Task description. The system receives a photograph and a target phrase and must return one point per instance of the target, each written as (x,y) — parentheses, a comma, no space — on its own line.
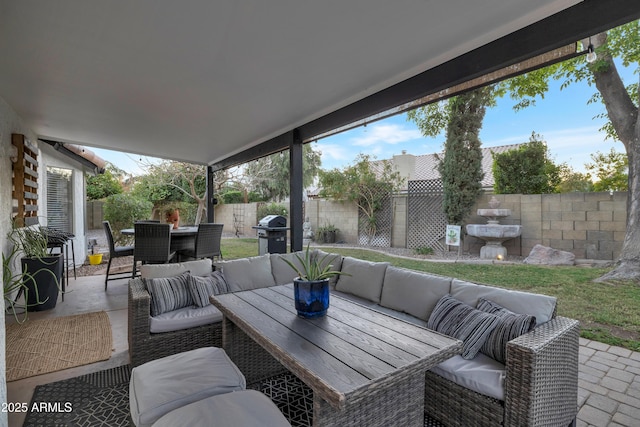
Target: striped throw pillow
(169,293)
(511,325)
(459,320)
(202,287)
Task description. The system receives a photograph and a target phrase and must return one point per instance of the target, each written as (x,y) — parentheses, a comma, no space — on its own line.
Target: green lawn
(608,313)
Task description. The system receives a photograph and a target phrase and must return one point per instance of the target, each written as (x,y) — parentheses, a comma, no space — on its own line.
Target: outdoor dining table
(364,367)
(181,237)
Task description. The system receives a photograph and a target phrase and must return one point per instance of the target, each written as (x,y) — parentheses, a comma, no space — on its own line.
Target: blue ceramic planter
(312,298)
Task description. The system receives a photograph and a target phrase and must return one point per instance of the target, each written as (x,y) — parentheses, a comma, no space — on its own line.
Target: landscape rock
(548,256)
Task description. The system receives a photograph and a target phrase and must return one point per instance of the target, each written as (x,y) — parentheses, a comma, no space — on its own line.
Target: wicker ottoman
(162,385)
(248,408)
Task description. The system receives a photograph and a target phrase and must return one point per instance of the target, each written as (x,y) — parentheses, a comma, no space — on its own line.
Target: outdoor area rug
(101,399)
(98,399)
(47,345)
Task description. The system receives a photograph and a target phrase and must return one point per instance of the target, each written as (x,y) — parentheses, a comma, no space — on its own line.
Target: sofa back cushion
(282,272)
(364,278)
(244,274)
(413,292)
(541,306)
(200,267)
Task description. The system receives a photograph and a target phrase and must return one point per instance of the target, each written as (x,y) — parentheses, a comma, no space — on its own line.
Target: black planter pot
(43,281)
(311,298)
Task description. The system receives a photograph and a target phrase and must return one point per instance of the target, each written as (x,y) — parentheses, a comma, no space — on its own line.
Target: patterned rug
(47,345)
(102,400)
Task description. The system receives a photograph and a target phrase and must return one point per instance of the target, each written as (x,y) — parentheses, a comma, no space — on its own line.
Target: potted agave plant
(41,271)
(311,287)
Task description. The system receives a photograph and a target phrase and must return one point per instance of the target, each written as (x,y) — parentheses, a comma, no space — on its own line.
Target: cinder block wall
(590,225)
(343,215)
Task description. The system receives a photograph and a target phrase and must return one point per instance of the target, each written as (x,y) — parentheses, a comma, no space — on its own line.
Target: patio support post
(211,201)
(295,190)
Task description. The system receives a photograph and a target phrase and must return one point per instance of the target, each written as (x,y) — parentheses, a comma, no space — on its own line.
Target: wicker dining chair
(207,242)
(152,244)
(114,252)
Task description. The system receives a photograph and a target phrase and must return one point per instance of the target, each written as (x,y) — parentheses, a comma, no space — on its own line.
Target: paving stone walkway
(609,385)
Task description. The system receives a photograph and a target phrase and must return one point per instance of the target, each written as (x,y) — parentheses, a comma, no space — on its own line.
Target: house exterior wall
(10,123)
(50,157)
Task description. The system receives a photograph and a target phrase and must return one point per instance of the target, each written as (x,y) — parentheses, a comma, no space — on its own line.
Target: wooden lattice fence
(426,221)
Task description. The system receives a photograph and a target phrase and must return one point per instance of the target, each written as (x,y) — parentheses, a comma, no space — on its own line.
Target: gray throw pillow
(459,320)
(169,293)
(510,325)
(202,287)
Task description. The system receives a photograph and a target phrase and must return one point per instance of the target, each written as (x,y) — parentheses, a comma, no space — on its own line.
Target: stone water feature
(494,233)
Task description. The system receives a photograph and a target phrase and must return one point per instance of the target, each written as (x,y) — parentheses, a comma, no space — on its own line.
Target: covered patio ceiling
(203,81)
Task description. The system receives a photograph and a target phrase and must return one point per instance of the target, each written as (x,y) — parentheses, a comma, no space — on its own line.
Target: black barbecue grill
(272,235)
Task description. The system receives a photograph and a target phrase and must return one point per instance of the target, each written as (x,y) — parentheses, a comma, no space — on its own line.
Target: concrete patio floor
(609,382)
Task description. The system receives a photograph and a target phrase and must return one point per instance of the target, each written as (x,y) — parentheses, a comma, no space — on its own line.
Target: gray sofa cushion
(202,287)
(510,326)
(247,273)
(540,306)
(169,293)
(248,408)
(197,268)
(364,280)
(184,318)
(165,384)
(481,374)
(459,320)
(413,292)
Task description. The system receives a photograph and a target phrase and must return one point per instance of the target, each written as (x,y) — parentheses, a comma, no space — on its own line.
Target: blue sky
(563,118)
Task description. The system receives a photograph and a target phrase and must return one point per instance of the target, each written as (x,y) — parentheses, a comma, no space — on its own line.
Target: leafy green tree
(611,170)
(527,169)
(366,183)
(103,185)
(461,167)
(269,175)
(621,102)
(572,181)
(175,181)
(122,210)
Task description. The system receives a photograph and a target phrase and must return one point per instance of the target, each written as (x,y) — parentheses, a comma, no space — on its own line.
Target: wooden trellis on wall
(25,181)
(426,222)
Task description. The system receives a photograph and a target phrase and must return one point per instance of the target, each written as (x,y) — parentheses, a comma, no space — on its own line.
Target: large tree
(461,166)
(270,175)
(621,103)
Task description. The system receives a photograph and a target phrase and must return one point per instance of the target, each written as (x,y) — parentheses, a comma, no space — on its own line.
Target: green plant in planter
(328,233)
(41,272)
(311,287)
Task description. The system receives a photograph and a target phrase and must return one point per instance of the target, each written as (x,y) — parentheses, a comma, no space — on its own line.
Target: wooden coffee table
(364,367)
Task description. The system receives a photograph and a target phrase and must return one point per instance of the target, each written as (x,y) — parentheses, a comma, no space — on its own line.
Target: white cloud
(385,134)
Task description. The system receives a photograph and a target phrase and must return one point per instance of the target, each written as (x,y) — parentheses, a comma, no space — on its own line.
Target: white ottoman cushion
(248,408)
(162,385)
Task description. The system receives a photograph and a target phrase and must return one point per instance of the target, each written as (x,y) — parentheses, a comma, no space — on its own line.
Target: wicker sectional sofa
(536,385)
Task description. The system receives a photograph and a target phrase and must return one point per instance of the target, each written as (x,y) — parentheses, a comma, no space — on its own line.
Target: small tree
(104,184)
(526,169)
(611,171)
(122,211)
(365,183)
(461,166)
